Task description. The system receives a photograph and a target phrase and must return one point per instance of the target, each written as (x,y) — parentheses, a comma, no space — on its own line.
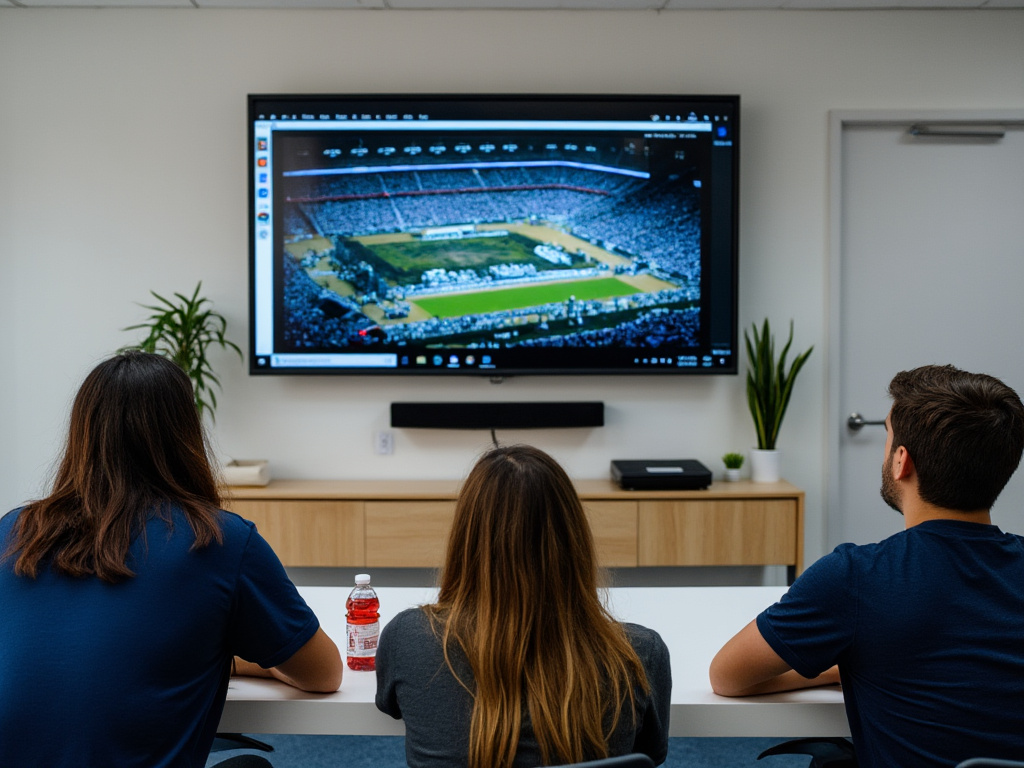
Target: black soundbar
(528,415)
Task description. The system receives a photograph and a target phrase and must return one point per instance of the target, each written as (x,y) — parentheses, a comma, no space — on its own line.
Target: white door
(927,267)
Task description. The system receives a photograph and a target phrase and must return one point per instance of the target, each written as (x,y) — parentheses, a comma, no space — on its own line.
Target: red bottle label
(363,625)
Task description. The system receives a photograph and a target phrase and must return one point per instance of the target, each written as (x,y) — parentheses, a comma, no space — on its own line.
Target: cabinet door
(414,534)
(718,532)
(309,533)
(614,524)
(407,534)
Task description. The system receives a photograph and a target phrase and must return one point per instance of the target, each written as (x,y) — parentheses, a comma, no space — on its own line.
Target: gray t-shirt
(415,684)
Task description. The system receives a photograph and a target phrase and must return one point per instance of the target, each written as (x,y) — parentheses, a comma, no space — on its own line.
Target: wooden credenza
(404,523)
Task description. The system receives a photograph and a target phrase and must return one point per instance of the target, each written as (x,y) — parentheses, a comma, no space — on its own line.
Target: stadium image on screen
(414,241)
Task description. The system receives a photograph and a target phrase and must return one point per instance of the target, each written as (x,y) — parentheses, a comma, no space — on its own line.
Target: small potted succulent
(733,462)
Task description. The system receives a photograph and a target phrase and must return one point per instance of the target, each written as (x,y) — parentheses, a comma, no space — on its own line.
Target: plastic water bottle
(362,619)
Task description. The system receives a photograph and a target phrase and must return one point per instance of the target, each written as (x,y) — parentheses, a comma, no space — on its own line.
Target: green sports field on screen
(483,302)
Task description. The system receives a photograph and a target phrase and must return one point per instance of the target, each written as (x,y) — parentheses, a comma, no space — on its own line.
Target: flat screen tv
(493,235)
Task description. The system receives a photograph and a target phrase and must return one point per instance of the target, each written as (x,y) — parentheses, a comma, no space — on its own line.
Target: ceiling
(623,5)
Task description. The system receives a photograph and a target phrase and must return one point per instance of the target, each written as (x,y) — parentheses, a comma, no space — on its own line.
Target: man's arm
(315,667)
(747,665)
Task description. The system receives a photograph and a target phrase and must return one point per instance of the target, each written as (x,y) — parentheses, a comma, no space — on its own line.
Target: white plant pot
(764,465)
(732,475)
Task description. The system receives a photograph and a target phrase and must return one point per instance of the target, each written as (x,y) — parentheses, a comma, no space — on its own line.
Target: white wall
(123,169)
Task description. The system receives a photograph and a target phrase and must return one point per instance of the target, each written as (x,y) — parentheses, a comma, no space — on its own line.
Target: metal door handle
(856,421)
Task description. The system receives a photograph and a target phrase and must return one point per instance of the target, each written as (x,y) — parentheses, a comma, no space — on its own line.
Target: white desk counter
(694,621)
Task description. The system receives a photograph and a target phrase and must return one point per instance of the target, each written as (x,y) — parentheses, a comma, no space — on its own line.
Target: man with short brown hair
(925,628)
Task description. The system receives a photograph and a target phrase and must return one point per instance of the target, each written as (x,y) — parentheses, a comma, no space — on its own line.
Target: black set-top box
(660,474)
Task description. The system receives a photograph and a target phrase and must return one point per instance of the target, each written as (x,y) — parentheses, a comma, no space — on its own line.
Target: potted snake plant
(769,388)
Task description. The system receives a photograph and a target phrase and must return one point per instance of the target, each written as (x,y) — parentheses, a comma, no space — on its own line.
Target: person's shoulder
(12,515)
(8,519)
(849,550)
(833,573)
(851,553)
(849,562)
(230,523)
(640,633)
(645,641)
(234,524)
(410,631)
(1016,543)
(239,539)
(413,619)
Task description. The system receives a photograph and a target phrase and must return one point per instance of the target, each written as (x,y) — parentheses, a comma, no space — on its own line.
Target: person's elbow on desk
(747,666)
(316,667)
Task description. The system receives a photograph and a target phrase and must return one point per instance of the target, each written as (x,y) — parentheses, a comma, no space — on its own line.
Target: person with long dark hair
(127,592)
(518,663)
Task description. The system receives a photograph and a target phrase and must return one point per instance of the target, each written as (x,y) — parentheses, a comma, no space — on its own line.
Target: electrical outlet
(384,443)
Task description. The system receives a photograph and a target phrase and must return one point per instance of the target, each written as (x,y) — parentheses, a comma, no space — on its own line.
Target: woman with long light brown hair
(518,663)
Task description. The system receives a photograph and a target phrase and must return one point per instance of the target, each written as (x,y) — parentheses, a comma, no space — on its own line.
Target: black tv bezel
(732,100)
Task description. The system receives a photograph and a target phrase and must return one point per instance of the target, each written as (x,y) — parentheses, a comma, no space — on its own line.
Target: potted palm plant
(182,330)
(769,387)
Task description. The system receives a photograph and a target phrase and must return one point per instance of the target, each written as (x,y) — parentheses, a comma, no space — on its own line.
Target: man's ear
(902,464)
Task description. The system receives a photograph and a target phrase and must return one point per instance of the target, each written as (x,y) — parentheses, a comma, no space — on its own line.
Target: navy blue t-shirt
(927,627)
(100,675)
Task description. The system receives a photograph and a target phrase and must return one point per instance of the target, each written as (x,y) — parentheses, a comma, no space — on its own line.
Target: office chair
(635,760)
(224,741)
(244,761)
(825,752)
(990,762)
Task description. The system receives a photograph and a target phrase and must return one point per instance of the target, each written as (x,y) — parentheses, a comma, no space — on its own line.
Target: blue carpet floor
(389,752)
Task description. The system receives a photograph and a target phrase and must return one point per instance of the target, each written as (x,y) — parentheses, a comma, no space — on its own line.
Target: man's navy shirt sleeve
(812,625)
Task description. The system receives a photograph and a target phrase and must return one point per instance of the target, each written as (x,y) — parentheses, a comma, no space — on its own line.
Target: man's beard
(890,493)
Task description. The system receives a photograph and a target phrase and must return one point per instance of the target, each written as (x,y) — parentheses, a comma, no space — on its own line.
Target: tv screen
(493,235)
